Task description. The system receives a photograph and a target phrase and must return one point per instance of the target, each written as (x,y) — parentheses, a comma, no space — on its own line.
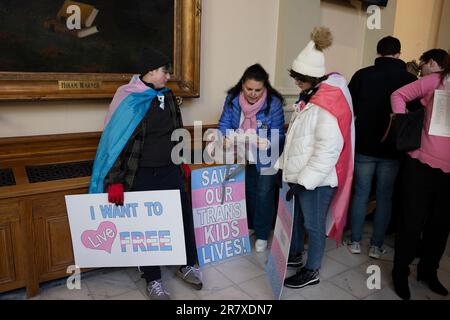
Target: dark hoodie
(371,90)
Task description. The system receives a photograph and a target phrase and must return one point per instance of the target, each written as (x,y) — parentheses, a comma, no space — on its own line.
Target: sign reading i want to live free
(221,230)
(147,230)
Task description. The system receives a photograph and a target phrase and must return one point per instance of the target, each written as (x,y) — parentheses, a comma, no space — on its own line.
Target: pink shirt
(434,151)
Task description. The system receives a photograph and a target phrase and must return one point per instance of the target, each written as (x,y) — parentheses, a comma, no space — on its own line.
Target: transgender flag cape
(129,106)
(334,96)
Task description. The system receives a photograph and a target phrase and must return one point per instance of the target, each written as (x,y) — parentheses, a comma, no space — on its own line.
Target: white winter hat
(311,61)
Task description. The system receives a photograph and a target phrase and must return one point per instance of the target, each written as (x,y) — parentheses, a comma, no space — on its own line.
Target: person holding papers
(134,154)
(425,217)
(254,109)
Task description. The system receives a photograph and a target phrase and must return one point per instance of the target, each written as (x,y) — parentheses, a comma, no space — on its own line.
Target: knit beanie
(311,61)
(152,59)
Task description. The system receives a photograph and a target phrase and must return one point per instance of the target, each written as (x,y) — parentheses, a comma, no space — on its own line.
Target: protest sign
(221,230)
(147,230)
(281,242)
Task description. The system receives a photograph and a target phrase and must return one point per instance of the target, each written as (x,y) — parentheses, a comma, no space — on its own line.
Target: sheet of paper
(440,120)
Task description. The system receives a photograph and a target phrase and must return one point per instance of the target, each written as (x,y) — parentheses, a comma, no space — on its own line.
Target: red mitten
(186,170)
(115,194)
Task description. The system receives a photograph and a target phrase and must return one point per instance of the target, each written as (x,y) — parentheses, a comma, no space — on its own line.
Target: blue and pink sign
(220,215)
(279,253)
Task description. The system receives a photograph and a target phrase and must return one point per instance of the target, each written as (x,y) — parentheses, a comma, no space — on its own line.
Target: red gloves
(115,194)
(186,170)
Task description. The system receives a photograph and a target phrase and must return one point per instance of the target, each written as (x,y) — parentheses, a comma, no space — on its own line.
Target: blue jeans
(385,171)
(310,214)
(260,195)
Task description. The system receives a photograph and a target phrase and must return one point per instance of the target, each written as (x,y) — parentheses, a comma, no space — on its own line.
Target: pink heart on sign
(102,239)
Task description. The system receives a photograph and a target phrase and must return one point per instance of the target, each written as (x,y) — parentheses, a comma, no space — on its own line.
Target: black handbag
(406,129)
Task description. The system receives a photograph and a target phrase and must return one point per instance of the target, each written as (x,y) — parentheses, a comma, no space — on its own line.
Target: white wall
(235,34)
(348,24)
(417,26)
(296,20)
(444,34)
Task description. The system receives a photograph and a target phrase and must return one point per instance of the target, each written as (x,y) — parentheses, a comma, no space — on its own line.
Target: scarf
(250,110)
(129,106)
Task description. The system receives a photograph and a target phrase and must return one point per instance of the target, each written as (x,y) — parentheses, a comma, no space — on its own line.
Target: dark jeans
(168,178)
(385,171)
(260,195)
(310,213)
(425,217)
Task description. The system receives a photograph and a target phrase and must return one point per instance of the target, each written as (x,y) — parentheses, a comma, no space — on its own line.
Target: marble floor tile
(354,282)
(342,255)
(330,268)
(179,290)
(240,270)
(331,245)
(294,296)
(258,288)
(387,293)
(213,281)
(325,290)
(230,293)
(259,258)
(63,293)
(132,295)
(110,284)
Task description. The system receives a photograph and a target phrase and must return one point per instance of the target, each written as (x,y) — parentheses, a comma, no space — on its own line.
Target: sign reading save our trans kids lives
(277,262)
(221,230)
(147,230)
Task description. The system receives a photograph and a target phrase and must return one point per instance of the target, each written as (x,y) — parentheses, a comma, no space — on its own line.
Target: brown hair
(441,57)
(303,78)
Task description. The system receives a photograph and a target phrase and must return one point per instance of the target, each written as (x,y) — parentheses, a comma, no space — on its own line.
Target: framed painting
(86,49)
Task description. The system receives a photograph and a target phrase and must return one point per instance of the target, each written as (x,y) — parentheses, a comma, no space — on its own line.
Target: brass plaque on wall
(79,85)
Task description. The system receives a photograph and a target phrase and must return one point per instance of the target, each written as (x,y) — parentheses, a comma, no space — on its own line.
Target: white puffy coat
(313,146)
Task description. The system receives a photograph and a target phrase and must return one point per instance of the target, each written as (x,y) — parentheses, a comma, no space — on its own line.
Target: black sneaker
(302,278)
(295,260)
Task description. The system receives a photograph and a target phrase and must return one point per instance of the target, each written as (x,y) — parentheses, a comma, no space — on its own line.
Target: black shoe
(302,278)
(433,282)
(401,286)
(295,260)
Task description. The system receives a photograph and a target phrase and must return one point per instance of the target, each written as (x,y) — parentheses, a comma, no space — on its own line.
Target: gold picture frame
(185,77)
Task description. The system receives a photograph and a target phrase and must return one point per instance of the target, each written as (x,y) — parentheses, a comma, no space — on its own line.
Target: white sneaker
(260,245)
(353,247)
(376,252)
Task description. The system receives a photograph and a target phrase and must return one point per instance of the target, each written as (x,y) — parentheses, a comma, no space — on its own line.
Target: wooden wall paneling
(30,245)
(12,273)
(51,225)
(7,272)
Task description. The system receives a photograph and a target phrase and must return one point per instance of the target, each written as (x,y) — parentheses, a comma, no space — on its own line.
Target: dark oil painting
(124,27)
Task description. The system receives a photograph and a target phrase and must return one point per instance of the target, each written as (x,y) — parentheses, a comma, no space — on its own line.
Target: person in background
(134,154)
(371,90)
(425,216)
(253,105)
(317,161)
